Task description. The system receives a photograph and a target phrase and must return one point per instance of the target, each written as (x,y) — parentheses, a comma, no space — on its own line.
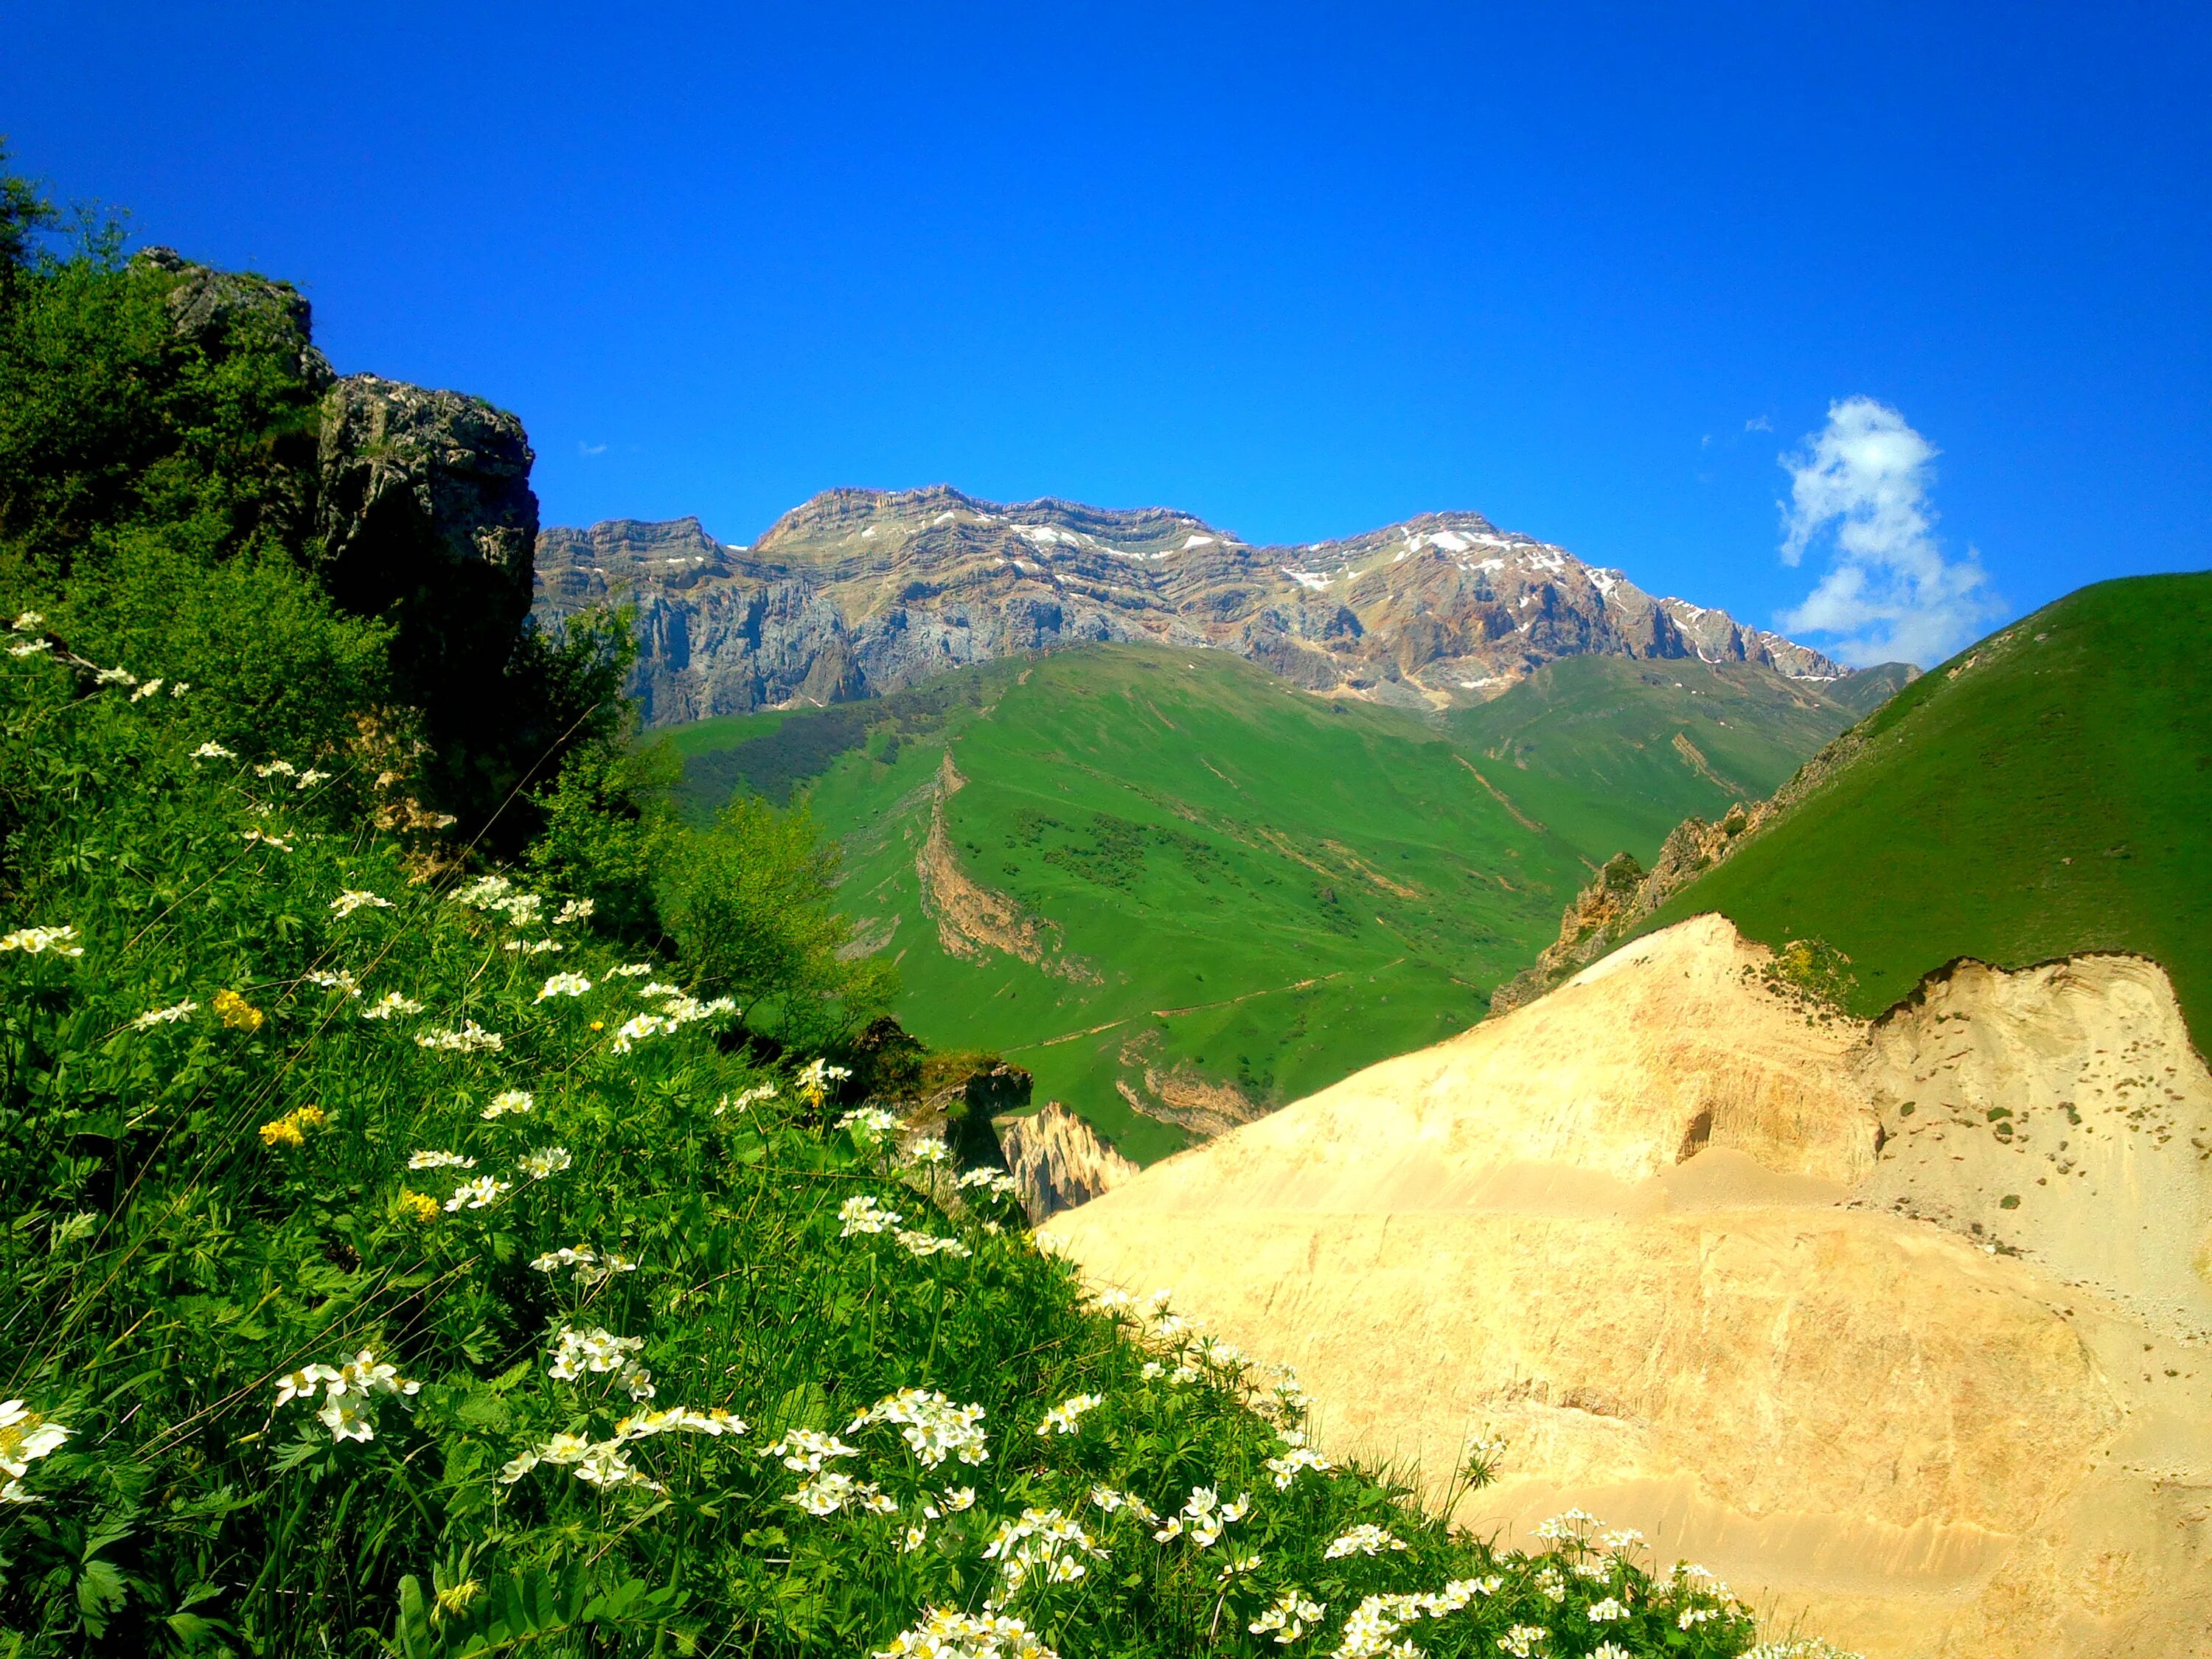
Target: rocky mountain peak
(859,591)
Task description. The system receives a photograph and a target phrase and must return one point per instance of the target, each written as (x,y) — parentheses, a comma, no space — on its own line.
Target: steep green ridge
(2048,790)
(1612,753)
(1230,882)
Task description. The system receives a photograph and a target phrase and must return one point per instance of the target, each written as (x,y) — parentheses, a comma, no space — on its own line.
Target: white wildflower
(1066,1417)
(930,1150)
(1523,1641)
(573,911)
(213,751)
(471,1038)
(564,985)
(591,1267)
(578,1352)
(390,1004)
(29,647)
(1365,1538)
(475,1194)
(1604,1612)
(114,677)
(255,837)
(638,1027)
(1288,1619)
(308,779)
(34,941)
(931,1425)
(338,981)
(804,1452)
(863,1214)
(168,1016)
(1570,1524)
(23,624)
(631,969)
(547,1161)
(509,1101)
(26,1436)
(534,947)
(357,898)
(439,1161)
(945,1633)
(928,1244)
(744,1099)
(872,1121)
(151,689)
(276,769)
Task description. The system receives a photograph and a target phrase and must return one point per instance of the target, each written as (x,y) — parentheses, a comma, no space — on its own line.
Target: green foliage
(2046,792)
(112,418)
(212,1129)
(751,906)
(606,833)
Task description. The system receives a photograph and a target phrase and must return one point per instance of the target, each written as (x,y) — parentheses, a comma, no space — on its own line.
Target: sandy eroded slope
(1933,1380)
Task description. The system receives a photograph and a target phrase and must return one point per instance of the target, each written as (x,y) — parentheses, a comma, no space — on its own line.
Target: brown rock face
(860,591)
(1902,1329)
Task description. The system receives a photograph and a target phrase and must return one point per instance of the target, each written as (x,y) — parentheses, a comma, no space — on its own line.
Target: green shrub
(750,906)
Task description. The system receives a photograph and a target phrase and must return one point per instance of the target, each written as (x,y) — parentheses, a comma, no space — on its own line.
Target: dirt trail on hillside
(1935,1380)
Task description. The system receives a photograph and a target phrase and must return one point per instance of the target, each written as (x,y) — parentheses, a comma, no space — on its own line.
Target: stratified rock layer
(1902,1329)
(861,592)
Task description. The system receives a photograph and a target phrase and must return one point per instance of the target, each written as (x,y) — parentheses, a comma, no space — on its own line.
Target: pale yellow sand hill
(1692,1259)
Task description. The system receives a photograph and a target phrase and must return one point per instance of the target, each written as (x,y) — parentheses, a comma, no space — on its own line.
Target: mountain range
(859,592)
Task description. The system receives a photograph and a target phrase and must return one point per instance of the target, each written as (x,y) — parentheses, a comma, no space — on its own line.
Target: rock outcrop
(215,308)
(861,592)
(1906,1329)
(1058,1160)
(414,482)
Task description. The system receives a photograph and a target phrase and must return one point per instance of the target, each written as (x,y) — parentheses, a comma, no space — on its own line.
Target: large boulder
(416,485)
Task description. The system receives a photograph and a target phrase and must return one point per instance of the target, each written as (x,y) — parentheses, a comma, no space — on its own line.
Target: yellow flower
(455,1597)
(289,1130)
(417,1207)
(598,1025)
(238,1013)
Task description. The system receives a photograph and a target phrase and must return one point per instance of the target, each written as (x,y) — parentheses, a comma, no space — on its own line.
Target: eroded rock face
(1058,1160)
(862,591)
(1692,1258)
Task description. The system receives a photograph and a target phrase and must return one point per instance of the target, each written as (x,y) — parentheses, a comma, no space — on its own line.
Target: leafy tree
(750,906)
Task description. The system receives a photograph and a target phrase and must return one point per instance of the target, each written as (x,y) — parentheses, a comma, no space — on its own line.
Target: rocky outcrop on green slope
(1622,896)
(861,592)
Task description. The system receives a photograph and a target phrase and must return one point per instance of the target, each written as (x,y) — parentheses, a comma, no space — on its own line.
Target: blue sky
(1589,270)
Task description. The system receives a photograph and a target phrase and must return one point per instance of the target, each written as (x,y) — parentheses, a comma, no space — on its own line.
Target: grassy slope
(2033,797)
(1591,743)
(1208,837)
(1175,813)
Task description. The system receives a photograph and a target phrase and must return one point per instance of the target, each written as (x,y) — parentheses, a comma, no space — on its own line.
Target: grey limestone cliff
(860,591)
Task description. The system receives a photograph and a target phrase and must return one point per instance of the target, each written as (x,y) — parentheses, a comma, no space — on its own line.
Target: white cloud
(1861,487)
(1759,424)
(590,449)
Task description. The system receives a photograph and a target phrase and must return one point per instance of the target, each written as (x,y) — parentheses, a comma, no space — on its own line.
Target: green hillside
(1612,754)
(1231,883)
(2047,791)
